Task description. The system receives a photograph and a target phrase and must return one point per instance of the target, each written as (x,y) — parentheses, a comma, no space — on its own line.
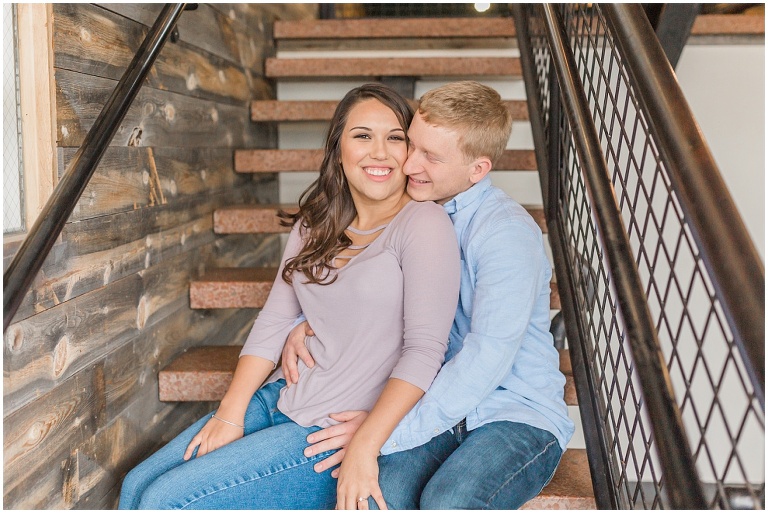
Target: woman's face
(373,151)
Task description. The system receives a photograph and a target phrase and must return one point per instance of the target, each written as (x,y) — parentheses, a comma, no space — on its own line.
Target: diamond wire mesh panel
(722,416)
(13,220)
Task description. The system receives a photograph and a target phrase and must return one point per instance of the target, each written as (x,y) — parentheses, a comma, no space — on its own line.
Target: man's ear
(480,167)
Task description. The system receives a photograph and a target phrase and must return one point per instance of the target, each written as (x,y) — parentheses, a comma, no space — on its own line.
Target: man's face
(437,169)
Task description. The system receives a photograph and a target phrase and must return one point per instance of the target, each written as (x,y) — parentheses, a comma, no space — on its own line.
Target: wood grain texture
(51,425)
(99,251)
(130,178)
(38,105)
(94,41)
(157,118)
(110,306)
(209,29)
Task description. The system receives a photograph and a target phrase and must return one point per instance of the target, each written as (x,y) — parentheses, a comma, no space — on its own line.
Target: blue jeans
(500,465)
(266,469)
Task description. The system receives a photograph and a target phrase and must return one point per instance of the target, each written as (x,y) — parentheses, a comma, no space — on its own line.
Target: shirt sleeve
(280,312)
(429,258)
(509,278)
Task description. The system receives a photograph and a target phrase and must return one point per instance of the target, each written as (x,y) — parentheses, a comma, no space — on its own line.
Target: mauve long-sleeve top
(387,315)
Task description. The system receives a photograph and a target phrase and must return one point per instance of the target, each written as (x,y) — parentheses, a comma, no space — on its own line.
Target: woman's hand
(358,479)
(295,348)
(215,434)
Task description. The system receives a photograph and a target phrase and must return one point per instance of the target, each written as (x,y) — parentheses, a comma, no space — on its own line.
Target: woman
(376,275)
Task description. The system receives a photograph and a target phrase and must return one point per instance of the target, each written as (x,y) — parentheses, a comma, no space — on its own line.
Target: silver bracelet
(228,422)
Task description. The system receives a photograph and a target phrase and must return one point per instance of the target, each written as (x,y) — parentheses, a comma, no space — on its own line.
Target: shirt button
(437,431)
(394,444)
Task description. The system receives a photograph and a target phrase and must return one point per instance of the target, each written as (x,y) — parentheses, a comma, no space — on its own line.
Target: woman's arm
(359,472)
(429,259)
(257,360)
(250,373)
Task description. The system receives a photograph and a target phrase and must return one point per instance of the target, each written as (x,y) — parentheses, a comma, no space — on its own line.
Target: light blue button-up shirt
(501,363)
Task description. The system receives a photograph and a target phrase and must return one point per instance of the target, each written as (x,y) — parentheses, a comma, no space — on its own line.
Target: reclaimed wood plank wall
(110,307)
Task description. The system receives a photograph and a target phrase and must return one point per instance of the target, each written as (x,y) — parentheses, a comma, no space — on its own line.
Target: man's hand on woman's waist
(295,347)
(334,437)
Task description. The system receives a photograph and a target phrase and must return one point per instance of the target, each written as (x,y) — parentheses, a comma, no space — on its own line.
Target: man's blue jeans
(266,469)
(500,465)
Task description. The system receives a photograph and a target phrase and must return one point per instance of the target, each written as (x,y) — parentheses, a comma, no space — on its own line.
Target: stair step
(728,24)
(279,161)
(571,486)
(392,67)
(232,288)
(204,373)
(249,288)
(250,219)
(298,110)
(199,374)
(263,219)
(395,28)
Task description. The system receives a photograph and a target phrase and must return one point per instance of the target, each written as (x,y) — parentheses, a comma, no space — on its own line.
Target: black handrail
(730,257)
(682,482)
(38,243)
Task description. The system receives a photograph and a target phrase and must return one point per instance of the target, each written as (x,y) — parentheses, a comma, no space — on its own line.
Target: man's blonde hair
(475,111)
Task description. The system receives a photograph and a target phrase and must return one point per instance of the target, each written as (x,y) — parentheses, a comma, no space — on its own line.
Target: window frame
(38,113)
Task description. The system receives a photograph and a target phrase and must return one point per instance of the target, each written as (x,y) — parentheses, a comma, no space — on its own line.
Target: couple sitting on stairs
(417,373)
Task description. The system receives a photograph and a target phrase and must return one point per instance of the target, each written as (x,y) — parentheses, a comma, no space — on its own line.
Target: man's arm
(509,280)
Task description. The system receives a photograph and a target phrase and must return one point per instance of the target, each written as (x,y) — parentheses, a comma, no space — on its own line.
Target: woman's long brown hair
(326,208)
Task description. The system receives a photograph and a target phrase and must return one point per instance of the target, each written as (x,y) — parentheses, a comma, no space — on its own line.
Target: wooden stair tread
(395,28)
(705,24)
(322,110)
(263,219)
(232,288)
(571,486)
(280,161)
(392,67)
(277,161)
(204,373)
(250,219)
(249,288)
(728,25)
(199,374)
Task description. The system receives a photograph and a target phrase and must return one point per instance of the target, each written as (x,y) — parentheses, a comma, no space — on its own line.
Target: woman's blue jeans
(266,469)
(500,465)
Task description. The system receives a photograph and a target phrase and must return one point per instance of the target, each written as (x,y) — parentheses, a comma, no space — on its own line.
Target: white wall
(725,88)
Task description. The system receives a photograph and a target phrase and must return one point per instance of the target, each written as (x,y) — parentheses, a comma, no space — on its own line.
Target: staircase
(204,373)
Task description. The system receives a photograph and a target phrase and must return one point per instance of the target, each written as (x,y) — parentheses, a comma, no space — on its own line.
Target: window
(29,138)
(13,197)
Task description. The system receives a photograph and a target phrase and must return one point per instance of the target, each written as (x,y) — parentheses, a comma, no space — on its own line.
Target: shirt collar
(468,197)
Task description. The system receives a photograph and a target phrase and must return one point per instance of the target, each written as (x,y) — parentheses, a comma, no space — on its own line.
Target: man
(491,429)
